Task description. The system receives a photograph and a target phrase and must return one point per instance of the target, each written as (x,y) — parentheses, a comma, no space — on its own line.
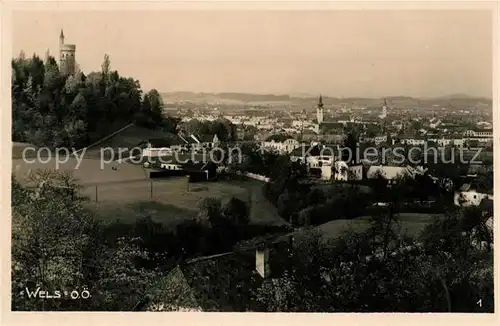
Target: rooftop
(222,282)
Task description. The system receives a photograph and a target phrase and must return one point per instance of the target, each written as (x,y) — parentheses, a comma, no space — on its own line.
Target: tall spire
(385,102)
(61,37)
(320,101)
(319,111)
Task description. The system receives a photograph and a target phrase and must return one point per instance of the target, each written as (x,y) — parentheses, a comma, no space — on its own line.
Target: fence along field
(166,200)
(119,191)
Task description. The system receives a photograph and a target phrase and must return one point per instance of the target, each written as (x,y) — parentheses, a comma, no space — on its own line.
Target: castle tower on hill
(66,56)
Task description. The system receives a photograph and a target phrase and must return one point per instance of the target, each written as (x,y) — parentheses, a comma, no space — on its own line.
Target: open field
(89,171)
(174,190)
(119,190)
(126,194)
(166,214)
(410,224)
(171,200)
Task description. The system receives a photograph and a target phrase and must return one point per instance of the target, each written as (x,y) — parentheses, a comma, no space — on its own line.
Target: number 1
(480,302)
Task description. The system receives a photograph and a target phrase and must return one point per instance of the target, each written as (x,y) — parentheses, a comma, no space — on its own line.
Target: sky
(336,53)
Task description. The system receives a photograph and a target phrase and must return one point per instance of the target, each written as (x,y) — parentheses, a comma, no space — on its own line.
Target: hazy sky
(338,53)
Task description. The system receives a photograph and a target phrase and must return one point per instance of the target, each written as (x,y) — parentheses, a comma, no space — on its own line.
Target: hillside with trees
(55,110)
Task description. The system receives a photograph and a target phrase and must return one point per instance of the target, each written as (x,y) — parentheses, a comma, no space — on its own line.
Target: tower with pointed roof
(67,52)
(319,110)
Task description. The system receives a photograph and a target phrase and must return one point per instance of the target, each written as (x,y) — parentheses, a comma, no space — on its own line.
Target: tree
(224,129)
(278,295)
(50,109)
(235,212)
(170,124)
(209,212)
(121,285)
(105,67)
(57,245)
(52,240)
(367,271)
(153,101)
(350,145)
(193,126)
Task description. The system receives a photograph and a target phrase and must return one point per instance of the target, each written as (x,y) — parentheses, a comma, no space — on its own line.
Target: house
(365,170)
(341,171)
(398,125)
(326,172)
(315,156)
(434,123)
(320,161)
(290,144)
(301,154)
(415,141)
(280,143)
(171,166)
(380,139)
(479,133)
(459,142)
(161,147)
(484,125)
(203,142)
(467,196)
(196,166)
(377,140)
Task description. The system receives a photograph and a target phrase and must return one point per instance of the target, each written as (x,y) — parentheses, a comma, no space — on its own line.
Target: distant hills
(238,97)
(303,99)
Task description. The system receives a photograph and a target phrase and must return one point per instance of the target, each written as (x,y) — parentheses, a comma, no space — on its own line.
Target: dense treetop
(52,109)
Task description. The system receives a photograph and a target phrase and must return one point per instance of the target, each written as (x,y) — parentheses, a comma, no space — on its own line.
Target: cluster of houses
(322,162)
(179,143)
(389,128)
(470,137)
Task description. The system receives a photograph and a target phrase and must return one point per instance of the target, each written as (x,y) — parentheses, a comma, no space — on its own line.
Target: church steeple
(61,37)
(319,110)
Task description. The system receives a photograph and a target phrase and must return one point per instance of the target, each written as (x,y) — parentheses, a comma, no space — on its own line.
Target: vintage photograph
(252,161)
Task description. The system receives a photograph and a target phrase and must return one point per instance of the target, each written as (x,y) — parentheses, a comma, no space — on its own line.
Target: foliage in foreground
(57,245)
(445,270)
